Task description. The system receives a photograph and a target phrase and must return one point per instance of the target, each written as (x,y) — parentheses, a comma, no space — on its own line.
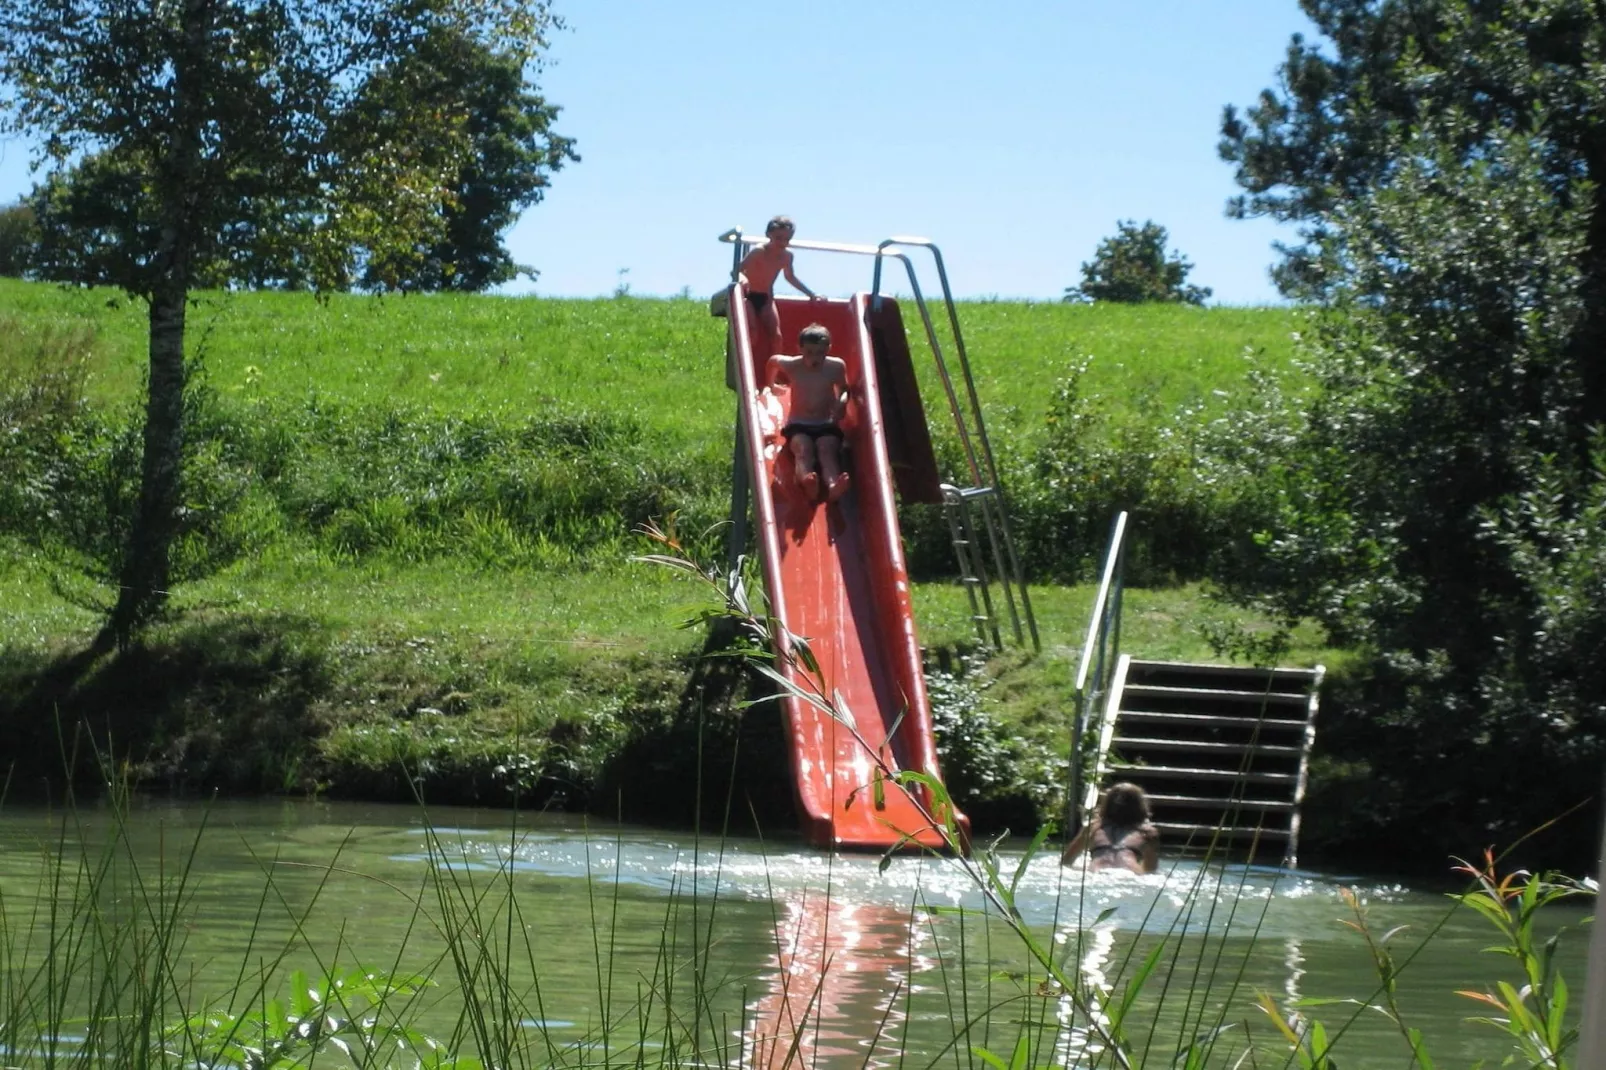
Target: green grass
(298,672)
(1140,358)
(660,360)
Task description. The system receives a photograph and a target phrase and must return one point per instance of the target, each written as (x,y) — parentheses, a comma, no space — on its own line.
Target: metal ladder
(976,545)
(986,491)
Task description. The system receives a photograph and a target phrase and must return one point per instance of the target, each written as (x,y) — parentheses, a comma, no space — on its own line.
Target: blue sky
(1013,134)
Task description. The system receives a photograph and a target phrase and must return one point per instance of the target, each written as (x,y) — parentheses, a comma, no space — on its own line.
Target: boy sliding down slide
(819,401)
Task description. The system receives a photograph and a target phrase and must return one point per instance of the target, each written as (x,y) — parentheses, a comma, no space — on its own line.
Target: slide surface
(835,576)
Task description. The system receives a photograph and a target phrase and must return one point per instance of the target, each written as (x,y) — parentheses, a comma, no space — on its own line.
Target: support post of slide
(736,537)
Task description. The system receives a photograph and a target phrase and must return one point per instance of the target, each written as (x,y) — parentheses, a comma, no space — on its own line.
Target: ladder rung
(959,495)
(1281,698)
(1193,668)
(1205,802)
(1211,830)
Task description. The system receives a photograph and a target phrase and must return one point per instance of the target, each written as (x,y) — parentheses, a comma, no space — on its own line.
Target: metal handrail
(1103,641)
(1004,556)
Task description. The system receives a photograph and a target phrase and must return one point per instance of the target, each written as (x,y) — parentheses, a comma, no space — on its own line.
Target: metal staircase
(1222,751)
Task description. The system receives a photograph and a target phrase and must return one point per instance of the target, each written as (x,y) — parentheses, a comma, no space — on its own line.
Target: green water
(613,922)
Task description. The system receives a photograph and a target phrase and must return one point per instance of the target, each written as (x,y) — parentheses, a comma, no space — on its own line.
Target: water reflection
(836,985)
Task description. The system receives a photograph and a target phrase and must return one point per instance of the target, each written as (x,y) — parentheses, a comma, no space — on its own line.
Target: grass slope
(660,360)
(351,661)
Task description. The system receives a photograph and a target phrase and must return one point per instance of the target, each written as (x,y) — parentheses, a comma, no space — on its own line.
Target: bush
(69,473)
(1000,780)
(1187,477)
(409,484)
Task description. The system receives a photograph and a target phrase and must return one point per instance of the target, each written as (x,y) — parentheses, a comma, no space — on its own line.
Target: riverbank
(293,673)
(408,532)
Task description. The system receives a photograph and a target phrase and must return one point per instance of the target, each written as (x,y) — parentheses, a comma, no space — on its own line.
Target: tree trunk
(144,576)
(145,572)
(1590,344)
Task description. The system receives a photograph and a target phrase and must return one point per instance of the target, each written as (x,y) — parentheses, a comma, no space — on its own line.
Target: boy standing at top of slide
(813,430)
(759,270)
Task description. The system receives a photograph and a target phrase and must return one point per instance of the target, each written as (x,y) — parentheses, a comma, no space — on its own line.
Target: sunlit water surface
(611,917)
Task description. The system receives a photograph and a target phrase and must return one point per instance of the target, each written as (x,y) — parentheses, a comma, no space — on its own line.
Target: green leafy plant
(350,1011)
(1134,267)
(1534,1016)
(1439,508)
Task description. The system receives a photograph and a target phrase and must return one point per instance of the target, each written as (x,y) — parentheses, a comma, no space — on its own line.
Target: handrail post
(1103,638)
(1006,559)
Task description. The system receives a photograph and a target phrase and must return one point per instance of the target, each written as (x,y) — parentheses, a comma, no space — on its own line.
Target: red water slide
(835,575)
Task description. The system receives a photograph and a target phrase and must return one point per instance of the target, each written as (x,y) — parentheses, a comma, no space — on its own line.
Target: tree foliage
(1439,510)
(207,131)
(1133,267)
(19,234)
(513,151)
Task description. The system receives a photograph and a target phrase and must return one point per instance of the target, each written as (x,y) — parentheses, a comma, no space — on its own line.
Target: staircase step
(1209,802)
(1209,720)
(1205,747)
(1174,773)
(1269,698)
(1199,715)
(1300,677)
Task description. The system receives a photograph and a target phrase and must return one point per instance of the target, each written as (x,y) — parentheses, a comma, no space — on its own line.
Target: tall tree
(1446,163)
(1133,267)
(1331,133)
(218,125)
(514,151)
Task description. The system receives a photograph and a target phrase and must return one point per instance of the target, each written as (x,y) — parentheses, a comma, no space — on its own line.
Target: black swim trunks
(814,431)
(759,301)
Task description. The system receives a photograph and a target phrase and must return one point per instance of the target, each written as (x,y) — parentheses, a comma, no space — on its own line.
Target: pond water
(614,938)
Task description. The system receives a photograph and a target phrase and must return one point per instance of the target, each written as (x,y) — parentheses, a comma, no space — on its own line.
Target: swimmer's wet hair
(780,222)
(813,333)
(1125,806)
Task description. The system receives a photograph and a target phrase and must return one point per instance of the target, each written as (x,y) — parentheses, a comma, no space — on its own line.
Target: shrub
(69,473)
(992,774)
(1187,478)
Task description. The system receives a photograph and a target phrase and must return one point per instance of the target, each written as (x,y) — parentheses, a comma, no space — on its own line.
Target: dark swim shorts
(814,431)
(759,301)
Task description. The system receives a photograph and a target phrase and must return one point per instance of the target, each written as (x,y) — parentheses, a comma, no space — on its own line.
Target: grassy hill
(660,360)
(428,502)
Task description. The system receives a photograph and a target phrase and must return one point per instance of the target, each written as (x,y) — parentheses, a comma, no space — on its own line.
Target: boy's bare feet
(838,487)
(809,482)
